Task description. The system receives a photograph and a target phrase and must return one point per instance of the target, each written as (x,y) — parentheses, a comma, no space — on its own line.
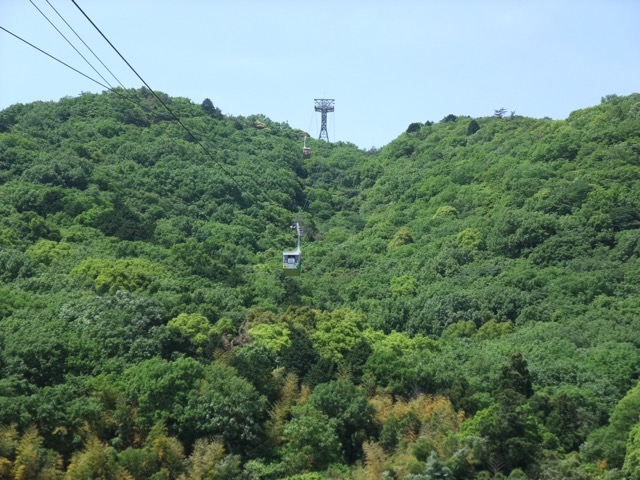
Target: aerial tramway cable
(177,119)
(292,259)
(85,44)
(69,42)
(54,58)
(166,107)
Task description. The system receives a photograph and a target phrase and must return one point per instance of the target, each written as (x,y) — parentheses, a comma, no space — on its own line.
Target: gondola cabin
(292,259)
(306,151)
(291,263)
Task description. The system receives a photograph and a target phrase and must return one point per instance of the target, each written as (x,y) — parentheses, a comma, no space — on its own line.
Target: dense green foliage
(469,305)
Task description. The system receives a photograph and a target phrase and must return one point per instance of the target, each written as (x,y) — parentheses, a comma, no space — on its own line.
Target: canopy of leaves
(468,307)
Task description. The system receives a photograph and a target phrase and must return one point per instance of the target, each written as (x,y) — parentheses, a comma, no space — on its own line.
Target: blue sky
(386,63)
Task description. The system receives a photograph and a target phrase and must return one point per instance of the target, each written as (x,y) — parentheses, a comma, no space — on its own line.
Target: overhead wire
(173,115)
(69,42)
(124,94)
(110,88)
(55,58)
(85,44)
(114,90)
(106,87)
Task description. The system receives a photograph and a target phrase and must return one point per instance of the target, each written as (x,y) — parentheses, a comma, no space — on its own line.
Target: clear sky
(386,63)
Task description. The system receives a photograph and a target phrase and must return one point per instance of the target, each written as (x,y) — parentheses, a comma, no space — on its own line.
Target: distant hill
(469,305)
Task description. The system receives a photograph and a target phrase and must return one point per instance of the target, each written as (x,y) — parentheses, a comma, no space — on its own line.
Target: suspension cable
(54,58)
(173,115)
(87,46)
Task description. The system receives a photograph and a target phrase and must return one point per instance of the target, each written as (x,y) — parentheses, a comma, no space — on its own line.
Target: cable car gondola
(306,151)
(291,260)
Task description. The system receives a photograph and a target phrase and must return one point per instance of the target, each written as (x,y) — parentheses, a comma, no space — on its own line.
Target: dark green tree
(515,377)
(414,127)
(473,127)
(348,406)
(226,405)
(310,441)
(211,110)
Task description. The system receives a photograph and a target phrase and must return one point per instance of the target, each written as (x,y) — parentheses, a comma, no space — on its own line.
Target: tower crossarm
(324,104)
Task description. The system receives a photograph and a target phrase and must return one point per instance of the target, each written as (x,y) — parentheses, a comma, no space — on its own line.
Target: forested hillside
(469,305)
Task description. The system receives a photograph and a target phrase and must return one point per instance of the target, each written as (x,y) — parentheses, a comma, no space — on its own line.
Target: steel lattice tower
(324,105)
